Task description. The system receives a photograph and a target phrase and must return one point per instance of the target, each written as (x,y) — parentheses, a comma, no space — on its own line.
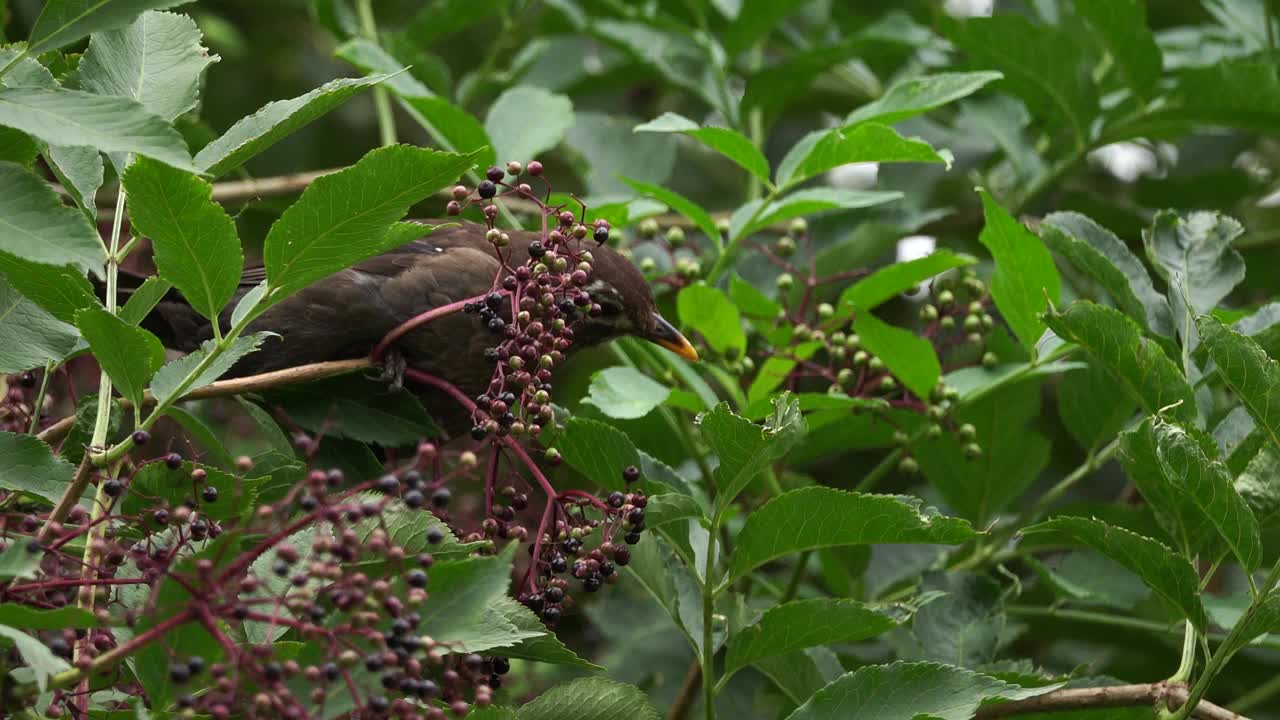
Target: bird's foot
(393,367)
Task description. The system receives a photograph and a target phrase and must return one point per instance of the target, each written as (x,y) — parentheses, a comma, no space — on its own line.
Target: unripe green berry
(675,236)
(785,281)
(988,322)
(946,297)
(748,364)
(785,247)
(936,412)
(802,332)
(934,431)
(900,437)
(723,226)
(888,384)
(972,323)
(952,394)
(845,377)
(875,363)
(947,323)
(838,338)
(975,338)
(972,451)
(860,358)
(929,313)
(976,307)
(990,360)
(648,265)
(826,311)
(853,342)
(648,228)
(908,466)
(967,432)
(975,286)
(798,227)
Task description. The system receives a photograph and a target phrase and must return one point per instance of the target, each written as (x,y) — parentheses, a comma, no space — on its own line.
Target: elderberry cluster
(534,306)
(563,555)
(16,405)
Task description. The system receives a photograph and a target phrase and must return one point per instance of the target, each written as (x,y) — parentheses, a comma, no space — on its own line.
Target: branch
(235,386)
(1118,696)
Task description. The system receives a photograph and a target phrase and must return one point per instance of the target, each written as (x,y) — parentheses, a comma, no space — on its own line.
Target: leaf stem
(381,99)
(38,405)
(708,616)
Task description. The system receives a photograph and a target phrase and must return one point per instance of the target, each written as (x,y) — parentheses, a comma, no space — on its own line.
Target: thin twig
(687,693)
(1118,696)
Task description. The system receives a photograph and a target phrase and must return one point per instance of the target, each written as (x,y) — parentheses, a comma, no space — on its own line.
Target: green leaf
(906,691)
(108,123)
(545,648)
(819,517)
(36,226)
(709,311)
(1250,373)
(29,618)
(80,169)
(29,336)
(593,698)
(461,590)
(410,528)
(807,623)
(1245,92)
(1088,407)
(883,284)
(157,60)
(750,300)
(1166,572)
(729,143)
(62,22)
(1117,342)
(509,129)
(1024,276)
(774,88)
(597,450)
(670,507)
(1014,453)
(917,95)
(1199,479)
(18,147)
(625,393)
(275,121)
(822,150)
(363,410)
(745,448)
(1194,256)
(18,562)
(804,202)
(29,466)
(36,655)
(774,371)
(965,626)
(155,484)
(686,207)
(1259,620)
(756,20)
(144,299)
(909,357)
(168,378)
(1098,253)
(129,355)
(1122,24)
(802,673)
(1042,65)
(196,244)
(347,216)
(1259,484)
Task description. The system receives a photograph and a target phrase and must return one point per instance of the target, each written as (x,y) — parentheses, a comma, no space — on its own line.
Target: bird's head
(627,306)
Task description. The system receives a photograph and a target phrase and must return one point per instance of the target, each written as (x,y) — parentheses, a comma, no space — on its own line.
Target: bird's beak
(666,335)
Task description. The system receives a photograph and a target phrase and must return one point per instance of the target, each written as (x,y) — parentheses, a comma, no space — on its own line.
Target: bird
(347,314)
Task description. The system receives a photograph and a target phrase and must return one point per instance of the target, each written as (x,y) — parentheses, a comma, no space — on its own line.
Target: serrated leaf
(1141,365)
(745,448)
(818,517)
(1246,93)
(964,626)
(155,484)
(80,169)
(625,393)
(709,311)
(802,673)
(460,591)
(750,300)
(1024,276)
(909,357)
(169,377)
(108,123)
(1101,255)
(62,22)
(1042,64)
(906,691)
(729,143)
(129,355)
(1088,409)
(593,698)
(18,562)
(913,96)
(597,450)
(36,655)
(362,410)
(775,370)
(801,624)
(1013,453)
(30,618)
(36,226)
(822,150)
(156,60)
(347,216)
(1259,484)
(144,299)
(1177,515)
(1194,256)
(29,336)
(274,121)
(883,284)
(545,648)
(195,241)
(1250,373)
(808,201)
(686,207)
(28,465)
(1166,572)
(1206,484)
(513,136)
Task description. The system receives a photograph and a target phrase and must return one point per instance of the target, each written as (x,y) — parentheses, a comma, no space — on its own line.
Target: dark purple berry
(416,578)
(209,494)
(179,673)
(173,461)
(553,595)
(494,173)
(536,249)
(435,536)
(632,538)
(630,473)
(601,235)
(141,437)
(112,488)
(486,189)
(414,499)
(388,484)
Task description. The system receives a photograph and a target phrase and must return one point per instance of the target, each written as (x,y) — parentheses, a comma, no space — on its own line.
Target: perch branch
(1118,696)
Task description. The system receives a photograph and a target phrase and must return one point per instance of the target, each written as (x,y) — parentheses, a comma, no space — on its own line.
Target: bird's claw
(393,367)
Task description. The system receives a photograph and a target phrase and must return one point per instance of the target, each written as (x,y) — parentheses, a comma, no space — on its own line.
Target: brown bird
(346,314)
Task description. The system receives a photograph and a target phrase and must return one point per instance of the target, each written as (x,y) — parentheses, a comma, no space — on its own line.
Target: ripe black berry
(553,595)
(373,663)
(195,664)
(112,488)
(632,538)
(630,473)
(501,666)
(434,536)
(141,437)
(209,494)
(536,249)
(494,173)
(636,517)
(59,647)
(622,555)
(27,379)
(416,578)
(601,235)
(551,615)
(592,582)
(616,499)
(414,499)
(559,564)
(173,461)
(160,517)
(440,498)
(388,484)
(486,189)
(479,432)
(179,673)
